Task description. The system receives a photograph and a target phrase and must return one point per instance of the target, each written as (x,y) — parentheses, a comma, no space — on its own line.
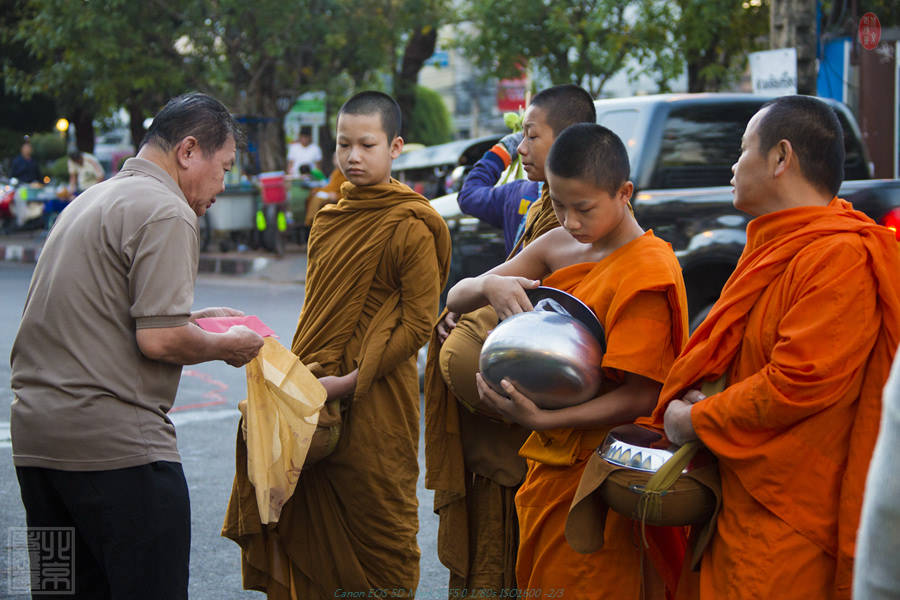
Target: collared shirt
(122,256)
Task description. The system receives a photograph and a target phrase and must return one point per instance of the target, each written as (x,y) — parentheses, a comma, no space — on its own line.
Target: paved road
(206,419)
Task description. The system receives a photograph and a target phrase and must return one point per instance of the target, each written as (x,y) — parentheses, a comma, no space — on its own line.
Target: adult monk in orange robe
(377,263)
(633,283)
(472,460)
(804,333)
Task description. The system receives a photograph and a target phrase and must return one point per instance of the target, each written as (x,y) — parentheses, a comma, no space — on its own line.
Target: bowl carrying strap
(650,503)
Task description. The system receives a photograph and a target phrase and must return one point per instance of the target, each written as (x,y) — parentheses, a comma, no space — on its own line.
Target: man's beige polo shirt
(121,257)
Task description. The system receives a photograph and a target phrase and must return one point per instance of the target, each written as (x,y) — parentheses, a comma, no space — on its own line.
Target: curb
(222,265)
(19,253)
(208,263)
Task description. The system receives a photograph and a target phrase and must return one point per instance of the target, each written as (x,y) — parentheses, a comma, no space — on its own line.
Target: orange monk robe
(315,203)
(472,462)
(377,263)
(805,330)
(638,294)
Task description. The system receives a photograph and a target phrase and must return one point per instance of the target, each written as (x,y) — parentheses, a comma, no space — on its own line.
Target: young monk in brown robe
(472,460)
(633,282)
(804,332)
(377,262)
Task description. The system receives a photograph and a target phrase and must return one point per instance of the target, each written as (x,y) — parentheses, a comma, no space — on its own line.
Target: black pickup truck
(681,148)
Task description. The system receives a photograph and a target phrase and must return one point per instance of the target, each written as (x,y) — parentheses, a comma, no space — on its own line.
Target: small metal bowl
(690,499)
(550,355)
(632,446)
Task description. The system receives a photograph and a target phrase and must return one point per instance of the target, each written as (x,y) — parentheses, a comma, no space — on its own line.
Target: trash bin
(273,191)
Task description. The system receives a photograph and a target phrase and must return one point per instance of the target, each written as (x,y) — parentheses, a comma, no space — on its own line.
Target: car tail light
(891,220)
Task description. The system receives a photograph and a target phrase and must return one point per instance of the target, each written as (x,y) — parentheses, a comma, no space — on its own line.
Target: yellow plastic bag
(280,416)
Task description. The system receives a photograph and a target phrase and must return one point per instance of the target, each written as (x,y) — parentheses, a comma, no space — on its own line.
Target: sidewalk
(25,247)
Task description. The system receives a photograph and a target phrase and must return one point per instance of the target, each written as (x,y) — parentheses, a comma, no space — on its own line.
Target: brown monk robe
(315,202)
(472,461)
(638,294)
(377,263)
(805,331)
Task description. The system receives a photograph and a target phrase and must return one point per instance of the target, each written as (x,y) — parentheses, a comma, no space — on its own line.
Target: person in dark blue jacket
(24,167)
(503,206)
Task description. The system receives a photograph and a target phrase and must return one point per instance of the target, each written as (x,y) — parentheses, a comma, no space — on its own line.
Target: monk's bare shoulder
(553,246)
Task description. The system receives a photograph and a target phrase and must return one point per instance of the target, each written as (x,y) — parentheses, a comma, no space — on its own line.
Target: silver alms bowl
(632,446)
(549,354)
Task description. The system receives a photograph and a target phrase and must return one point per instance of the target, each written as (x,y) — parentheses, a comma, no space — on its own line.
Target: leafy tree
(715,36)
(584,42)
(267,56)
(840,18)
(431,122)
(416,30)
(93,57)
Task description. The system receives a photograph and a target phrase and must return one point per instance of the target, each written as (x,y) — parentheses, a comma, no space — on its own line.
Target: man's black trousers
(131,531)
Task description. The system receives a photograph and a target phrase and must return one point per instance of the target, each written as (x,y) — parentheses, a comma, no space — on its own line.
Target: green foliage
(715,37)
(839,19)
(94,57)
(48,146)
(58,169)
(431,122)
(10,142)
(584,42)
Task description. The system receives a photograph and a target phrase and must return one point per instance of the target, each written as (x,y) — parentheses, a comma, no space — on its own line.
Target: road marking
(178,419)
(214,397)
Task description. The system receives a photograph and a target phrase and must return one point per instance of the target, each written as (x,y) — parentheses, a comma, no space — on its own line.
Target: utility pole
(792,24)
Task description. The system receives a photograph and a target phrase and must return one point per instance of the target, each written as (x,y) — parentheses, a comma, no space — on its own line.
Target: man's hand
(446,325)
(516,408)
(510,142)
(340,386)
(216,311)
(507,294)
(243,345)
(677,420)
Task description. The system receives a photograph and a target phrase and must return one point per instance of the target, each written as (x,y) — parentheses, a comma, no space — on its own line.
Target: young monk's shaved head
(565,105)
(815,134)
(590,152)
(370,103)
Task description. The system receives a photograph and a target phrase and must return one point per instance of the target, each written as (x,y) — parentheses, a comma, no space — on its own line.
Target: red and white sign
(511,93)
(869,31)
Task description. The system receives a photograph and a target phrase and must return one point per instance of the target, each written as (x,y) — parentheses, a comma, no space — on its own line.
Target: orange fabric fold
(446,472)
(805,330)
(638,294)
(377,262)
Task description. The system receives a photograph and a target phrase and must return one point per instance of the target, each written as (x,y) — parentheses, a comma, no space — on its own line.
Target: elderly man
(803,335)
(106,329)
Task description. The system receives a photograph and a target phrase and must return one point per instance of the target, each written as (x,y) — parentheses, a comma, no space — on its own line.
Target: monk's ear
(396,147)
(186,150)
(782,157)
(626,191)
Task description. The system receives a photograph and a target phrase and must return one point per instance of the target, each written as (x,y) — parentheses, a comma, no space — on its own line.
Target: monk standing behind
(377,263)
(804,332)
(329,193)
(472,460)
(633,283)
